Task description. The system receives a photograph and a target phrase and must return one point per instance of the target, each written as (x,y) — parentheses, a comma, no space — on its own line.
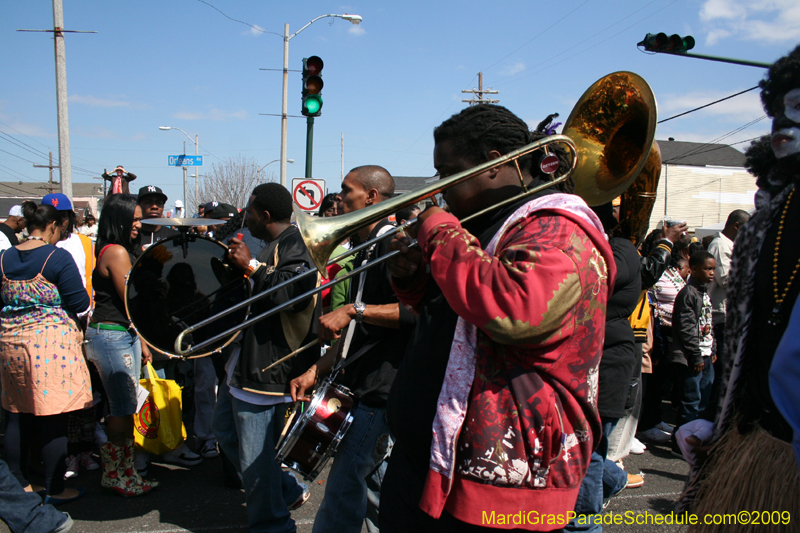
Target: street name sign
(185,160)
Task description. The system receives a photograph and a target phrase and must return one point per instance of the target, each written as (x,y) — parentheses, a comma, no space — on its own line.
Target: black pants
(52,433)
(656,382)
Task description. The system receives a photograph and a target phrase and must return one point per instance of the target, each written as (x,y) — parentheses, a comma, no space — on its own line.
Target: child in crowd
(693,347)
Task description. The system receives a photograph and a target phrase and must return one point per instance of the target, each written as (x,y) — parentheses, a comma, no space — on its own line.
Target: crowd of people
(506,364)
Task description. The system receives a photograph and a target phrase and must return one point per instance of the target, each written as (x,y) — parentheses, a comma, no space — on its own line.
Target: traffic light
(660,42)
(312,86)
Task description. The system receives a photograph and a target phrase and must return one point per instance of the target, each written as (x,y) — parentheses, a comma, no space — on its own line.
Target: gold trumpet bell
(613,126)
(323,234)
(638,201)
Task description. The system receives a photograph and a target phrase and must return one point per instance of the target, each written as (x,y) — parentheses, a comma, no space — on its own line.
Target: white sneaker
(637,447)
(88,462)
(209,450)
(73,466)
(654,435)
(666,428)
(182,456)
(100,437)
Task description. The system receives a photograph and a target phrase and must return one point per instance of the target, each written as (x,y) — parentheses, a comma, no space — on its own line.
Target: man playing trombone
(377,334)
(494,405)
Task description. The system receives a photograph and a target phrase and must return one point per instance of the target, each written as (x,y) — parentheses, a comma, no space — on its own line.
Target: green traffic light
(312,104)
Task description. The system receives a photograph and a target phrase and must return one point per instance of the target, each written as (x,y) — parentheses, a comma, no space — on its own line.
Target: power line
(707,105)
(239,21)
(561,62)
(536,36)
(700,149)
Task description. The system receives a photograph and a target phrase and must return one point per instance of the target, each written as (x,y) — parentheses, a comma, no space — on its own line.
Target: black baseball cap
(224,211)
(151,190)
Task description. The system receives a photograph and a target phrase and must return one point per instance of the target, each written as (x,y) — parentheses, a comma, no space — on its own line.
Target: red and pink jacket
(517,416)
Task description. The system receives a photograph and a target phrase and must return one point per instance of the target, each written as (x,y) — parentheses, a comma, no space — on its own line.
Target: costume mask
(786,139)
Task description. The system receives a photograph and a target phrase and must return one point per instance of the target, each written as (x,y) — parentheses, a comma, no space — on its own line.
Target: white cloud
(94,101)
(356,30)
(765,21)
(256,30)
(515,68)
(18,127)
(212,114)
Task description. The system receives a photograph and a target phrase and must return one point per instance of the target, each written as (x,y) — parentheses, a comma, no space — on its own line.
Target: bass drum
(178,282)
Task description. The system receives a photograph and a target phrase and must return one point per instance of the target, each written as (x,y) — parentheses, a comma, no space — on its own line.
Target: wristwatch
(252,266)
(360,307)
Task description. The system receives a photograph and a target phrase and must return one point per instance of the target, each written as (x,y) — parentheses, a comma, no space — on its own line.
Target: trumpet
(608,135)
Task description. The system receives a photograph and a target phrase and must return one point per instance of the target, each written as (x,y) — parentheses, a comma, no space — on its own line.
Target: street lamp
(355,19)
(268,164)
(196,142)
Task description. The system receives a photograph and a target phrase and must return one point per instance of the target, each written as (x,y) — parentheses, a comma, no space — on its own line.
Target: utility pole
(51,166)
(480,91)
(64,164)
(342,176)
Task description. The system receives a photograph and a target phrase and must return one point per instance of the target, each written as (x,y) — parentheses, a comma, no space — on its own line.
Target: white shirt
(721,248)
(4,242)
(74,246)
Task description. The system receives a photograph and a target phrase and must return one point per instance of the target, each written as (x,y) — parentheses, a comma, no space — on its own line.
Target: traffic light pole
(720,59)
(309,145)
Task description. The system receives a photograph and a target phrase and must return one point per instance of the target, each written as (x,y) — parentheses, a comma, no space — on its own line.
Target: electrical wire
(707,105)
(535,37)
(239,21)
(700,149)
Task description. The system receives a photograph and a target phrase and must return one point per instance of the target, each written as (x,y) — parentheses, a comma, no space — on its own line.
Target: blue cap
(58,200)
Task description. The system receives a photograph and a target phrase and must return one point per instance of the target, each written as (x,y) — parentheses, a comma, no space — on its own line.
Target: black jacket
(266,341)
(688,318)
(619,359)
(655,263)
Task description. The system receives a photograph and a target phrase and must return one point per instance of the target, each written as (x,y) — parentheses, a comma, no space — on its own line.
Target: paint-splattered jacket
(539,304)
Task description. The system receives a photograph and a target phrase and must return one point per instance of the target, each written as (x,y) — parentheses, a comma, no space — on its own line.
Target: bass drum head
(177,283)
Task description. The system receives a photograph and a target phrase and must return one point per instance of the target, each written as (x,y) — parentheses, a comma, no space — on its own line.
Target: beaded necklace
(36,238)
(776,318)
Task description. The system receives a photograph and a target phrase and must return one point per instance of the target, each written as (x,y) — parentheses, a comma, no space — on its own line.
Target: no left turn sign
(308,193)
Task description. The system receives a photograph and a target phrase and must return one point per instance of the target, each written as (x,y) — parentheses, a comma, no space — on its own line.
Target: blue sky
(388,81)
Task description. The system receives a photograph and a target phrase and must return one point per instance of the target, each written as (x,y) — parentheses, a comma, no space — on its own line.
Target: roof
(37,190)
(700,154)
(410,183)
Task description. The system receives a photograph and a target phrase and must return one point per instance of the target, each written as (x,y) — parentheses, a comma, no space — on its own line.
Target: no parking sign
(307,193)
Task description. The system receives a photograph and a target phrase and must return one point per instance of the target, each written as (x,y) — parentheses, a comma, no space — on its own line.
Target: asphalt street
(194,499)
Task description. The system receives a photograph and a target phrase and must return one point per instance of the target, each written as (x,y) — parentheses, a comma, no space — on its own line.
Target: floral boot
(117,475)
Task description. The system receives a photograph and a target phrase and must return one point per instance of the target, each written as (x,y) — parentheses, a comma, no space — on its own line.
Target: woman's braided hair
(477,130)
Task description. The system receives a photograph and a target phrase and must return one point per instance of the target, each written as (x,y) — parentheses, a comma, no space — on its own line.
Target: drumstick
(288,424)
(297,351)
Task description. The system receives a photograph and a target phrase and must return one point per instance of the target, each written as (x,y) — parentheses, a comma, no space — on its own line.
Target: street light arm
(164,128)
(352,18)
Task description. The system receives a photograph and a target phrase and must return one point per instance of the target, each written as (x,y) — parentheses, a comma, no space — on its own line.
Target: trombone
(612,127)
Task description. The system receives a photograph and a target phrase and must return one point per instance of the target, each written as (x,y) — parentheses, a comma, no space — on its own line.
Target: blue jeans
(353,490)
(247,434)
(23,511)
(695,391)
(117,355)
(589,506)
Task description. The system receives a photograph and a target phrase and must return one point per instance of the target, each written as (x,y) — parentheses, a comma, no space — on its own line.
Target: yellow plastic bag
(158,427)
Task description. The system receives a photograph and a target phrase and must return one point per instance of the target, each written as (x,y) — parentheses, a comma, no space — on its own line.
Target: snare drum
(316,434)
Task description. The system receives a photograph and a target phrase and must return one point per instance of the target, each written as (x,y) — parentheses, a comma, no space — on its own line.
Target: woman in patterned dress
(44,374)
